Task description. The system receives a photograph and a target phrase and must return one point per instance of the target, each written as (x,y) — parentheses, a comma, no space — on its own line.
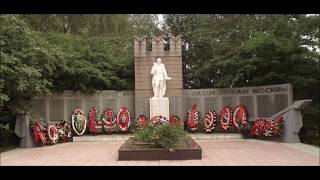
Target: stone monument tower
(144,60)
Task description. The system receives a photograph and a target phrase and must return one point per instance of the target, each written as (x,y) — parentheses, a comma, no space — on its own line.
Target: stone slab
(159,106)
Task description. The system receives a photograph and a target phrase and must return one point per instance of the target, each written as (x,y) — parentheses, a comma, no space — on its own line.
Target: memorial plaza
(217,151)
(132,90)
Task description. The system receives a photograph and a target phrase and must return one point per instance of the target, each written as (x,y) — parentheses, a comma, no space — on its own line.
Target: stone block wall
(260,101)
(57,106)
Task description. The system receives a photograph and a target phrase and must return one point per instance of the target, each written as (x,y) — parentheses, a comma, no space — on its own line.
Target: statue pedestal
(159,106)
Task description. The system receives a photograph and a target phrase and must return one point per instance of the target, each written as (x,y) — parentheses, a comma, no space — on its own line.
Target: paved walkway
(123,137)
(218,152)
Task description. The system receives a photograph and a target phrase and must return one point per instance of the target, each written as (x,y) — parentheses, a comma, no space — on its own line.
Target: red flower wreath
(141,121)
(193,118)
(210,121)
(174,120)
(278,123)
(79,122)
(38,132)
(52,134)
(108,119)
(240,117)
(123,119)
(93,120)
(160,119)
(225,118)
(258,127)
(267,127)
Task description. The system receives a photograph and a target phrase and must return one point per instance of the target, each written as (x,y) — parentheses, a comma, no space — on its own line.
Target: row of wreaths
(106,123)
(110,122)
(227,118)
(47,133)
(238,119)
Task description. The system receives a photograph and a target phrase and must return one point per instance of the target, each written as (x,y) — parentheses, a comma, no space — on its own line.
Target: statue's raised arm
(165,74)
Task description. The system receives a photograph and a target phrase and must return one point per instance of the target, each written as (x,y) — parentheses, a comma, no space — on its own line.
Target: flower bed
(135,150)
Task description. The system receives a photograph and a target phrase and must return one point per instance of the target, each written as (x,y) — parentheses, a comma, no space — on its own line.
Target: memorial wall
(260,101)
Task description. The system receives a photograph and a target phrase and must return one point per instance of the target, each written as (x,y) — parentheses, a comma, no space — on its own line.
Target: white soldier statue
(159,79)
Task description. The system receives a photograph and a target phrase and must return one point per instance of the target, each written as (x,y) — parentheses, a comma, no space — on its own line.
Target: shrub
(7,136)
(162,135)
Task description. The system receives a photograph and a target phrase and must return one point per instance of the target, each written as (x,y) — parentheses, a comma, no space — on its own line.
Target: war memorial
(159,97)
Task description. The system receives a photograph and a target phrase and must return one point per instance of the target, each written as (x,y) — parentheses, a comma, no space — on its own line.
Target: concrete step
(123,137)
(102,138)
(214,136)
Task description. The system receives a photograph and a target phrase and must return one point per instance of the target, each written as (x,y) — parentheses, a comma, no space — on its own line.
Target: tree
(27,63)
(41,53)
(67,52)
(249,50)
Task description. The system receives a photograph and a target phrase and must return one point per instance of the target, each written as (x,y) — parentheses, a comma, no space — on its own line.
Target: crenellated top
(157,45)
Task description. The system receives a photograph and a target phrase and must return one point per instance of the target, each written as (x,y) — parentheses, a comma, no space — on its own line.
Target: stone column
(255,107)
(293,121)
(48,116)
(65,110)
(292,125)
(23,130)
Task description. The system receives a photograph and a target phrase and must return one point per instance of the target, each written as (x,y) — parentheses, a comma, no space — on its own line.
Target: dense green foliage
(251,50)
(41,53)
(8,139)
(162,135)
(27,63)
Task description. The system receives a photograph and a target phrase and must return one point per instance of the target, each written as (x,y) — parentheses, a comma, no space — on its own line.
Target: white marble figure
(159,79)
